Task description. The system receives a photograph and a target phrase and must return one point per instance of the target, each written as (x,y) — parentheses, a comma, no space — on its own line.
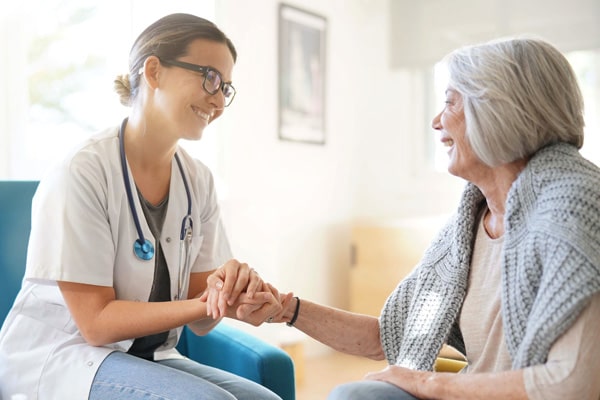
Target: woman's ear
(150,71)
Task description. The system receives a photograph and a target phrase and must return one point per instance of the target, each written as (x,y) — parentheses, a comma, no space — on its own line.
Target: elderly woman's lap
(368,390)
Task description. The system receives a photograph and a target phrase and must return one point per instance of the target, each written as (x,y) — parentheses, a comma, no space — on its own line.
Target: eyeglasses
(213,81)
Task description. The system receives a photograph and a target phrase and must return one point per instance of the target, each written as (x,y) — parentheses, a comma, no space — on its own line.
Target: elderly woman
(513,280)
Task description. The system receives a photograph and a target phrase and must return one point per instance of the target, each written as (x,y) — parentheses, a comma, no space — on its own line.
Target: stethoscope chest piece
(143,251)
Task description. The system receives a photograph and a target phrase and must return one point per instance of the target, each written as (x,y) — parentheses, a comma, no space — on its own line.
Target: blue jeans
(368,390)
(126,377)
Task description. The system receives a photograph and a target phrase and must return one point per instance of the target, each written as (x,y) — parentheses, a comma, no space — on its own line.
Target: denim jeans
(126,377)
(369,390)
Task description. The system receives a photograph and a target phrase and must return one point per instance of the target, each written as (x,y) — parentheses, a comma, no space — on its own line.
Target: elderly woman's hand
(414,382)
(225,285)
(287,306)
(263,307)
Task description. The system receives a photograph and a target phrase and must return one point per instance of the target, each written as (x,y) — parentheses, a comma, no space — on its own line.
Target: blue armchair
(224,347)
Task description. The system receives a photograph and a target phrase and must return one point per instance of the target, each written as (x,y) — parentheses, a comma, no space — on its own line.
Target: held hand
(261,307)
(287,307)
(284,301)
(225,285)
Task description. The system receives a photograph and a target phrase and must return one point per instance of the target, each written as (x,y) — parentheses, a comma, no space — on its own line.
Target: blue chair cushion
(15,224)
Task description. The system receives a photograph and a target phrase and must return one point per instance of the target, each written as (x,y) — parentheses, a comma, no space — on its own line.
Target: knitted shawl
(550,266)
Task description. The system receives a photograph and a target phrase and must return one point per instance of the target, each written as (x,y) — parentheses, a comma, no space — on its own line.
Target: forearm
(341,330)
(121,320)
(202,326)
(205,324)
(508,385)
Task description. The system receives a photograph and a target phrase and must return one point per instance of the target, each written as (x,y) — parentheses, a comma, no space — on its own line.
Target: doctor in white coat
(125,233)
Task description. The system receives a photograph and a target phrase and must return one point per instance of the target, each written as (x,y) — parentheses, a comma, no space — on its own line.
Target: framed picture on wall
(301,75)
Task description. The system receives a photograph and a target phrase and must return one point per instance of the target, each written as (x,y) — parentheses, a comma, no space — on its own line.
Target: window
(59,60)
(587,68)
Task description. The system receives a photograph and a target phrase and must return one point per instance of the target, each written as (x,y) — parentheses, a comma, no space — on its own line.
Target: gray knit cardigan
(550,266)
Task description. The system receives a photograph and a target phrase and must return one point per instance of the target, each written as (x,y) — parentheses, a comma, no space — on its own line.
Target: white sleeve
(573,367)
(70,236)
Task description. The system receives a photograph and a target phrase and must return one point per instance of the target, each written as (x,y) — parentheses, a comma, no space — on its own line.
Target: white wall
(289,206)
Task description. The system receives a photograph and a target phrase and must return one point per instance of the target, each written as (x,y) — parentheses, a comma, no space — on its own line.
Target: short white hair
(519,95)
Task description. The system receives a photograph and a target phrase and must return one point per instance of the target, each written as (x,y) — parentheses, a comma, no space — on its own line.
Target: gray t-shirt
(145,346)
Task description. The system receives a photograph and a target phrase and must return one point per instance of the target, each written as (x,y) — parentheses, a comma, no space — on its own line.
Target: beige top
(573,366)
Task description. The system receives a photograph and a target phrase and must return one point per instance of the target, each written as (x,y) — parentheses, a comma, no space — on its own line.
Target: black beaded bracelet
(295,317)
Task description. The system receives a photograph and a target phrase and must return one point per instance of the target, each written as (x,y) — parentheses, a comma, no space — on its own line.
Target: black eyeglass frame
(204,70)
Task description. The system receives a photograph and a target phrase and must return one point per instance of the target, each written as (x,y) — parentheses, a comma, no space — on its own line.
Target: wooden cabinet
(383,254)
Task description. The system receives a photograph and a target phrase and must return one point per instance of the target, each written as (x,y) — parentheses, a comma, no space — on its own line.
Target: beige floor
(321,374)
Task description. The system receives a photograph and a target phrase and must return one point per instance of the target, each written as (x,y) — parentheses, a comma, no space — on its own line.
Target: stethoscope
(142,247)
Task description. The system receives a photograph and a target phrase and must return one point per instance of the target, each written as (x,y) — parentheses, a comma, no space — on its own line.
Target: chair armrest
(236,351)
(450,360)
(448,365)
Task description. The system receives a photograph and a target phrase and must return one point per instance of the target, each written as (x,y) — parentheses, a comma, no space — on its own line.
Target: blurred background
(321,220)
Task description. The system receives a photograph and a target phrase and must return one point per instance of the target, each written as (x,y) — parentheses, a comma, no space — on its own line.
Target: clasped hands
(237,291)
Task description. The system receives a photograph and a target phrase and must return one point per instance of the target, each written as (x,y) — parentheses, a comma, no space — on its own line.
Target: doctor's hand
(225,285)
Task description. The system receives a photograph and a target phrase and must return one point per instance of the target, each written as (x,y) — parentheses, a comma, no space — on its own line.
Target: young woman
(125,233)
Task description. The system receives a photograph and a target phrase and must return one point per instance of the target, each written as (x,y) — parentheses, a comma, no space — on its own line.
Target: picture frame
(302,67)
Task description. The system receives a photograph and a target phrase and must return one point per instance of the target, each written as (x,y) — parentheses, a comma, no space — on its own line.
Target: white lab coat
(83,231)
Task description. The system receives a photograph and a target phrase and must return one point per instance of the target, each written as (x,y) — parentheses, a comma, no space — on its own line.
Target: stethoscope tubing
(142,247)
(188,216)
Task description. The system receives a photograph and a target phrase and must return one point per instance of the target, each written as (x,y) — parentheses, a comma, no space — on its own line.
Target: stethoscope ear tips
(143,251)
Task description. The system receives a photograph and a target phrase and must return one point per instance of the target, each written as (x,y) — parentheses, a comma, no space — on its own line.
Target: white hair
(519,95)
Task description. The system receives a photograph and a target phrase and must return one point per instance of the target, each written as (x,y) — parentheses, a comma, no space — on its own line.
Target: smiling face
(185,105)
(450,122)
